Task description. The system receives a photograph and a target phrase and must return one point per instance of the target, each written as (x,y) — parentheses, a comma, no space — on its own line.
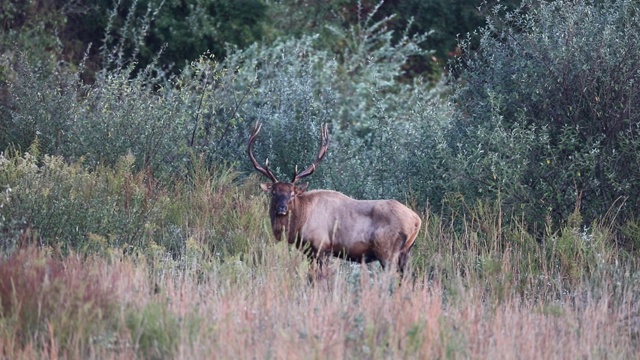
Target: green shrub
(68,206)
(161,121)
(546,117)
(75,209)
(100,122)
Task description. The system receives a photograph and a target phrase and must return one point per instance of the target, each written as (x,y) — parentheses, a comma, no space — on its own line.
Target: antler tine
(324,145)
(263,170)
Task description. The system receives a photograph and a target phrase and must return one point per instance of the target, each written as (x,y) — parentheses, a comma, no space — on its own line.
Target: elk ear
(266,186)
(302,188)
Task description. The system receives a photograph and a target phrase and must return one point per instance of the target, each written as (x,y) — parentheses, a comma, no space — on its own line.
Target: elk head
(283,193)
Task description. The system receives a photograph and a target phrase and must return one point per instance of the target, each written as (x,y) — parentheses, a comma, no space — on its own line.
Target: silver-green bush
(546,116)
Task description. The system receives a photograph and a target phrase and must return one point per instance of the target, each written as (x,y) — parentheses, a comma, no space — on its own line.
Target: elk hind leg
(403,260)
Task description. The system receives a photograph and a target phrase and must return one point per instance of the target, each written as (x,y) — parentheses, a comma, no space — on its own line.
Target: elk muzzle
(282,209)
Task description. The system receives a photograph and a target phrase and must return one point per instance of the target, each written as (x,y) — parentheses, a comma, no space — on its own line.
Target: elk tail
(403,256)
(411,239)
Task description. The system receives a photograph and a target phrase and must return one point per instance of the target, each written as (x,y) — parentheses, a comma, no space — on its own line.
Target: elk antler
(324,145)
(263,170)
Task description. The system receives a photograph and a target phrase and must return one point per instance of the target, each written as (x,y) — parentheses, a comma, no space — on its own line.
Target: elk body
(329,223)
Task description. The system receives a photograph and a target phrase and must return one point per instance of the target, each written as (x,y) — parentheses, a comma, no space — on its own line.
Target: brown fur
(329,223)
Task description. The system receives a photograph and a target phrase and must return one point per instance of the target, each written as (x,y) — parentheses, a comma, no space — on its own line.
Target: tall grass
(483,287)
(270,311)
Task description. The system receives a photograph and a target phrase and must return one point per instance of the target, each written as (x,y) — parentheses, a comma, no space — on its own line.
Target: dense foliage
(547,117)
(293,85)
(539,118)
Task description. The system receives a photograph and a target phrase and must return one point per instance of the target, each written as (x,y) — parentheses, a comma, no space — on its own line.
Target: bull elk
(329,223)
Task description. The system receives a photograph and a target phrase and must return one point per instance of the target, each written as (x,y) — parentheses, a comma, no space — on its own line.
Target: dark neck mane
(288,225)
